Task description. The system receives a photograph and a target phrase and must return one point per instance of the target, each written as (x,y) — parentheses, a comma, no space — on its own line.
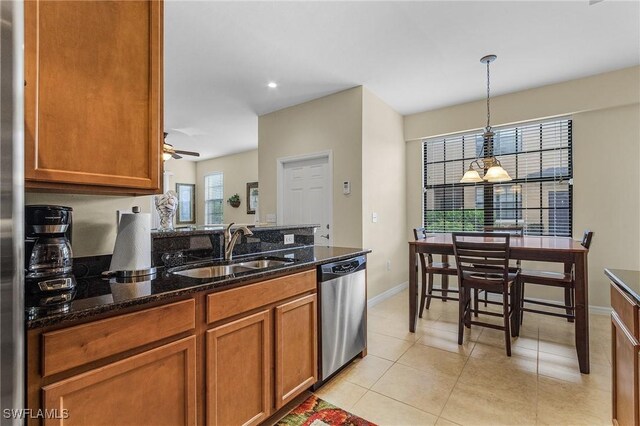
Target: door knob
(325,236)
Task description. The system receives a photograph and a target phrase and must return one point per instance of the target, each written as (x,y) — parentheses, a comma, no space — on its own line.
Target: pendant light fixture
(494,170)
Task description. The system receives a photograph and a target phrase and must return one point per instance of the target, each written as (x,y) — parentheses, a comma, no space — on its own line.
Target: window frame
(486,214)
(206,200)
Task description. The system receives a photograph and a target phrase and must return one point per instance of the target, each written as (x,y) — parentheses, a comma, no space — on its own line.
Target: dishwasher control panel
(349,266)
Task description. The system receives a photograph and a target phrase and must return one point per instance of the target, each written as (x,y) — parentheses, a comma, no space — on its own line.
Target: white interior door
(306,196)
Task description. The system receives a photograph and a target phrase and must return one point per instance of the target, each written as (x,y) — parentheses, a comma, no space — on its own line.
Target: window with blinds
(538,157)
(213,198)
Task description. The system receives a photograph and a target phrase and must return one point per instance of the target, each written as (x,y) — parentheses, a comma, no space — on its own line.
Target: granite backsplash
(184,245)
(191,245)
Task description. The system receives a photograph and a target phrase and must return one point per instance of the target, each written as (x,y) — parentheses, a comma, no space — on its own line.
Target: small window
(213,198)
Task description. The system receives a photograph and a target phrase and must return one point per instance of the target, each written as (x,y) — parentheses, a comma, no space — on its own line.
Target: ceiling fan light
(166,156)
(471,176)
(497,174)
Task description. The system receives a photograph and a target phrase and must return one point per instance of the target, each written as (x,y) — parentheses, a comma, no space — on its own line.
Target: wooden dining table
(562,250)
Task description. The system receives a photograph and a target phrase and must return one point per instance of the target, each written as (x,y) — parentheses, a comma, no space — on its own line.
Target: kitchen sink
(214,271)
(264,263)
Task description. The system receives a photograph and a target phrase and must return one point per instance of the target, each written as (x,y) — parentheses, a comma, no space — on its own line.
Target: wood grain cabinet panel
(74,346)
(296,348)
(228,303)
(625,353)
(156,387)
(626,309)
(238,371)
(93,95)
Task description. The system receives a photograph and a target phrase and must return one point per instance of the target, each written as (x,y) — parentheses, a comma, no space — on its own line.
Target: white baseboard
(596,310)
(387,294)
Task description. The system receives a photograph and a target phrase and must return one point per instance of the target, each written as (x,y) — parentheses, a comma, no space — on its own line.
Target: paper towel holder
(135,274)
(149,274)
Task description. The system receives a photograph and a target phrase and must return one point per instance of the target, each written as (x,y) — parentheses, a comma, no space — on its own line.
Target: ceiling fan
(168,151)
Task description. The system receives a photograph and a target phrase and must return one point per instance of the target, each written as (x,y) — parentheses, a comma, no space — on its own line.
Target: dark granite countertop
(96,296)
(628,280)
(213,229)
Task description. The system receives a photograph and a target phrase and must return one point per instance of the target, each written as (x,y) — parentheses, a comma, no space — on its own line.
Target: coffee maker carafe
(49,259)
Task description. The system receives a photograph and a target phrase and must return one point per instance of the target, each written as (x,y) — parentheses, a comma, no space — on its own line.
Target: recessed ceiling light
(272,84)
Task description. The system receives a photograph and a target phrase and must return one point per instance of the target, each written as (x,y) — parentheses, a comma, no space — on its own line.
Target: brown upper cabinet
(93,96)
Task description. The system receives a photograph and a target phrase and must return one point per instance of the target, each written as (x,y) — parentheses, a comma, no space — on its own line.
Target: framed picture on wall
(252,197)
(186,203)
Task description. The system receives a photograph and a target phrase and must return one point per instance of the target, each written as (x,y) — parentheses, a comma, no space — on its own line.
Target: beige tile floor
(426,378)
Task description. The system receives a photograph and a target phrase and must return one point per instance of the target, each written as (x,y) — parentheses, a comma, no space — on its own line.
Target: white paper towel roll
(132,250)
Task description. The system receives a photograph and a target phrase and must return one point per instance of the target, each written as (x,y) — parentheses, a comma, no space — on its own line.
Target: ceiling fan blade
(176,156)
(195,154)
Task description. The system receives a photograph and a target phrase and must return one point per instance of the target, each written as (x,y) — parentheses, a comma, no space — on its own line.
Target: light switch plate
(374,217)
(288,239)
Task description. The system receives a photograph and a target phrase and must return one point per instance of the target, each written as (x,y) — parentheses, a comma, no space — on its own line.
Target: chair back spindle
(482,255)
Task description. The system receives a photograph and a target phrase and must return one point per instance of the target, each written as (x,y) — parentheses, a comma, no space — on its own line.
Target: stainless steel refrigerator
(12,373)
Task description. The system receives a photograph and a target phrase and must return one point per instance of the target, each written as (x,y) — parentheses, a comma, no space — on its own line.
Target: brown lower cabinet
(239,371)
(231,357)
(296,346)
(625,350)
(261,361)
(129,390)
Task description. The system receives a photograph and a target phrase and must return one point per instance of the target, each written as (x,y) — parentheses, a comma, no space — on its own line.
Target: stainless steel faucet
(230,239)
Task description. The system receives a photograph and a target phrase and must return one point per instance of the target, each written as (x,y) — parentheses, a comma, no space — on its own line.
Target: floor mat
(318,412)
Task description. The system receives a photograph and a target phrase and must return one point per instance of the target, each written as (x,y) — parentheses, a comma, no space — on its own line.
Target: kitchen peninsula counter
(627,280)
(625,345)
(98,297)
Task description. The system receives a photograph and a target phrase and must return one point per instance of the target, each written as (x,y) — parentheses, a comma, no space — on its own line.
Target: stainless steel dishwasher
(343,303)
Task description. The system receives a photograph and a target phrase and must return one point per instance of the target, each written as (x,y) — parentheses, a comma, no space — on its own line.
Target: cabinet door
(238,371)
(93,95)
(624,362)
(156,387)
(296,348)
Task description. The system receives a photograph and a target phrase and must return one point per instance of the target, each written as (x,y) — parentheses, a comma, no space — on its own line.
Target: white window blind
(213,198)
(537,156)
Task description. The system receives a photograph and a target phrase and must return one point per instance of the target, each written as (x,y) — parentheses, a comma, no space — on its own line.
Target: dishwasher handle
(330,271)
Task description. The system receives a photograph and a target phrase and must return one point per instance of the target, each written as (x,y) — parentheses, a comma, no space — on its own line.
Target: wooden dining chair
(429,268)
(565,280)
(482,260)
(514,231)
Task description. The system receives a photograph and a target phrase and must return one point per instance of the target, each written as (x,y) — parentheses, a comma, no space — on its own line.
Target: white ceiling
(219,56)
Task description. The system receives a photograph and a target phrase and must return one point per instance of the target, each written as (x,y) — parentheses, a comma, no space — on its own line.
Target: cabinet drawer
(626,309)
(152,388)
(232,302)
(75,346)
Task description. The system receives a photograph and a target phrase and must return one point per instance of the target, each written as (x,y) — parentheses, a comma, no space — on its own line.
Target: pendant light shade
(496,174)
(471,176)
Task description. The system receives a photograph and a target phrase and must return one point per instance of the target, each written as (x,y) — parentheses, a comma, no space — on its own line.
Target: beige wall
(180,171)
(95,216)
(330,123)
(238,170)
(383,192)
(366,138)
(606,127)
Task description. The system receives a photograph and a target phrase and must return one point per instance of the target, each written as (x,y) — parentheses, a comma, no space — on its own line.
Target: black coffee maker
(49,259)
